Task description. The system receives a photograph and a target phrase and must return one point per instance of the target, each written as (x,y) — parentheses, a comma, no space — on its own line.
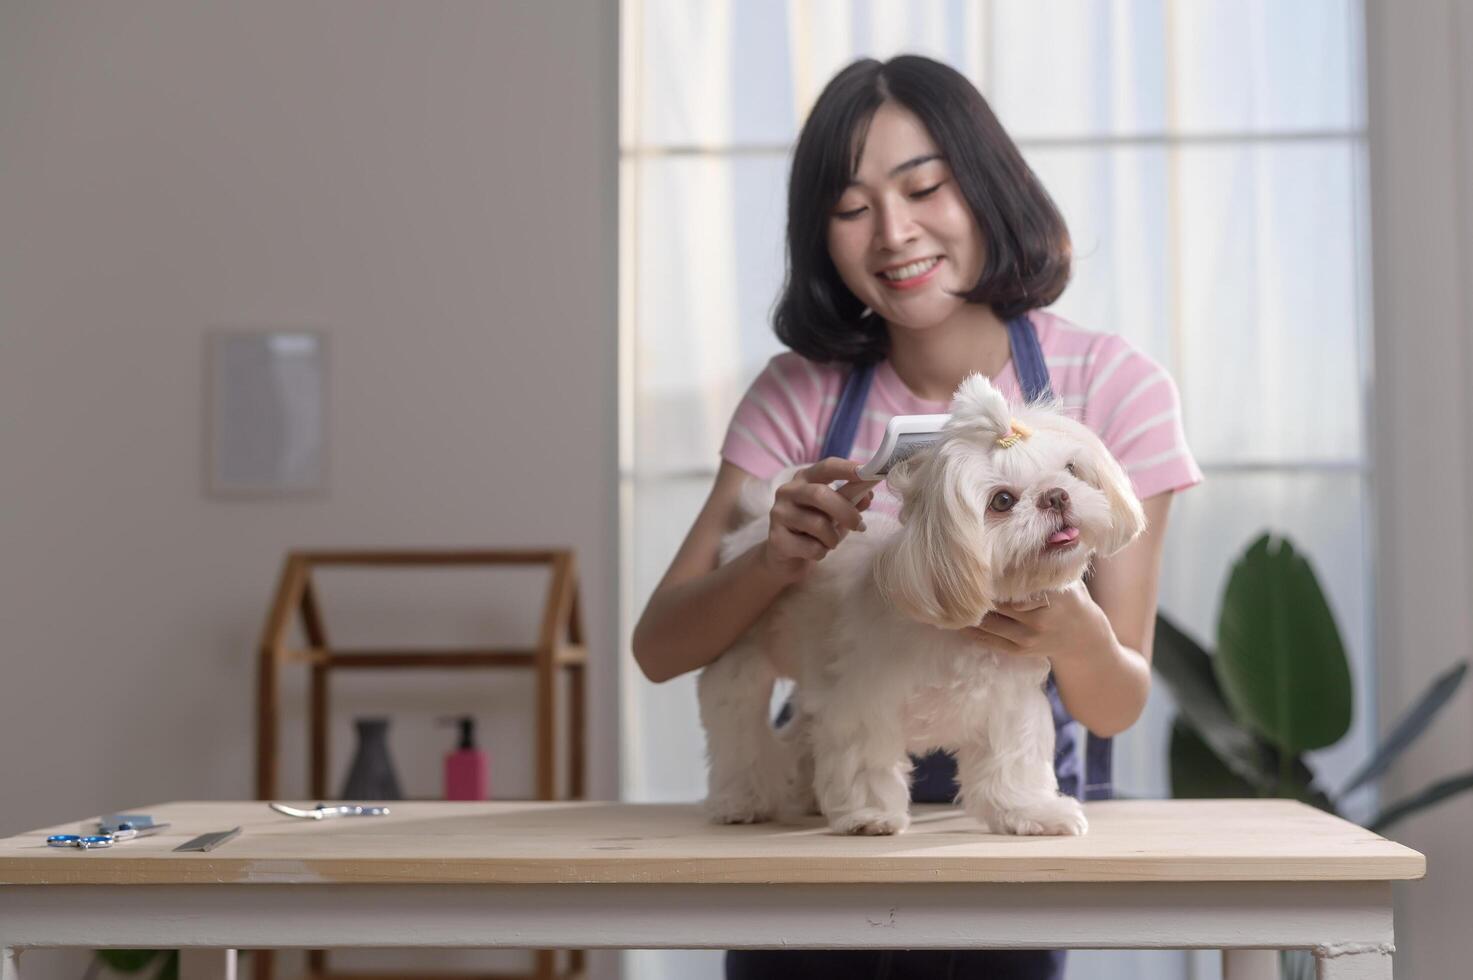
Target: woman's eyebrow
(910,164)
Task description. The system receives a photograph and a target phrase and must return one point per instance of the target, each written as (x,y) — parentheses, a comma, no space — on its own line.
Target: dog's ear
(901,478)
(931,570)
(1102,471)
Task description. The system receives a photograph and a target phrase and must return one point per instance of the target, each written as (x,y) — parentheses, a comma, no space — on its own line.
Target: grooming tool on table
(321,811)
(112,829)
(208,842)
(905,435)
(113,822)
(85,842)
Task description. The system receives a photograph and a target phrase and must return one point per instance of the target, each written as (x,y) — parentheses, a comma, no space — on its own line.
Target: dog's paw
(870,823)
(1059,817)
(729,810)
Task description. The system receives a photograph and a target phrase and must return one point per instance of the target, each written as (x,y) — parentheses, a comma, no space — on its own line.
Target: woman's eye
(1002,502)
(926,192)
(850,215)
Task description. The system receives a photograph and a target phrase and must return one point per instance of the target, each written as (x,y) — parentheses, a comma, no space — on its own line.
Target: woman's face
(901,235)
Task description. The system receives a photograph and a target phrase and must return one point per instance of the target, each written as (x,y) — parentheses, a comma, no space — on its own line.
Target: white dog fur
(871,635)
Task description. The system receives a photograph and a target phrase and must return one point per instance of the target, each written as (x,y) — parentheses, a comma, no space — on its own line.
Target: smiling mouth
(913,270)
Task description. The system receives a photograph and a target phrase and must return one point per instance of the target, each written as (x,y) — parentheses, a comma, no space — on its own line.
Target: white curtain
(1209,157)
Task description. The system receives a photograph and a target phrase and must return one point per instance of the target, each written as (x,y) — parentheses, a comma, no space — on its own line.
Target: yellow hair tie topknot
(1015,435)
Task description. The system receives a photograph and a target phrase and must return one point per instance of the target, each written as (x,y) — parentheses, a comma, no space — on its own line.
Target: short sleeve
(1132,404)
(776,423)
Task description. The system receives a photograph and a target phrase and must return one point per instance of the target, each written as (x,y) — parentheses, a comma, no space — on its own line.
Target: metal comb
(208,842)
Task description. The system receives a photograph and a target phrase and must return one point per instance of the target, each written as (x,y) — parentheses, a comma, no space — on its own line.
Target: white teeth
(910,271)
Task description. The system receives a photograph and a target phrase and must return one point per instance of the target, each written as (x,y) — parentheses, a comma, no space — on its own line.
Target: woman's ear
(1103,472)
(932,570)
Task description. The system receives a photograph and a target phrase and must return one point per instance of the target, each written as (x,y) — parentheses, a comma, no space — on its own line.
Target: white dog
(1002,509)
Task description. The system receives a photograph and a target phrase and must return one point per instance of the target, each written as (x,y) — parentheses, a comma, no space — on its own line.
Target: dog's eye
(1002,502)
(1071,469)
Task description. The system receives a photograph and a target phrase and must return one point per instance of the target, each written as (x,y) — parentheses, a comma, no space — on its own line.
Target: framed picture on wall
(266,408)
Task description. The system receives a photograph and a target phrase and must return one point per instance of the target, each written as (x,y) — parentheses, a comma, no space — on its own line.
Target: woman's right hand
(809,518)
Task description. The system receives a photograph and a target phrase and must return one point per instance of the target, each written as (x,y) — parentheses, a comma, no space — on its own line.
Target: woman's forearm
(688,624)
(1105,691)
(1105,685)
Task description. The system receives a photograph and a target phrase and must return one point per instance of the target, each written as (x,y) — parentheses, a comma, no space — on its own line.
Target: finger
(863,505)
(816,525)
(821,498)
(856,489)
(1022,607)
(1004,627)
(794,545)
(994,642)
(1029,620)
(830,470)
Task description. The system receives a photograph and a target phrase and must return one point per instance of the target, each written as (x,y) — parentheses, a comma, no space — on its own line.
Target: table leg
(1353,961)
(9,963)
(206,964)
(1250,964)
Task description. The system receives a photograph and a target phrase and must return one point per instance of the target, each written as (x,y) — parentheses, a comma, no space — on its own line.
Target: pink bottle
(466,775)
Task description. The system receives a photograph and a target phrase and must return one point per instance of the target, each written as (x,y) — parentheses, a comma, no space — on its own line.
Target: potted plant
(1279,686)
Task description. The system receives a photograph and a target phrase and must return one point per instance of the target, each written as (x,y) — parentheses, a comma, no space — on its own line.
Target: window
(1210,160)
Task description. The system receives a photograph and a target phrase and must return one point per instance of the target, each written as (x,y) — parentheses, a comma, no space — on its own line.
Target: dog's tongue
(1063,534)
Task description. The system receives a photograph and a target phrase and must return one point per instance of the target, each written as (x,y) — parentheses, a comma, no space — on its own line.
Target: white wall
(1421,139)
(434,185)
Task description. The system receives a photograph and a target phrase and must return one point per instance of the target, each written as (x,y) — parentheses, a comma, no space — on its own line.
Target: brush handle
(904,436)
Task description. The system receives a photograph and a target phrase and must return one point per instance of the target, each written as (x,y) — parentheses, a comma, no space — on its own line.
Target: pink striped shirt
(1125,397)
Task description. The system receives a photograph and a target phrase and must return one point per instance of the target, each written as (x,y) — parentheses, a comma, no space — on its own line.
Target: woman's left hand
(1068,626)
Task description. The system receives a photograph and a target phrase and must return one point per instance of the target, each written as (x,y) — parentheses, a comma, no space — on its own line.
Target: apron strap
(845,423)
(1028,362)
(838,442)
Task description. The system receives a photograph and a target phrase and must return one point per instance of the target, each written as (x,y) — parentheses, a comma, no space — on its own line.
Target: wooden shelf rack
(559,649)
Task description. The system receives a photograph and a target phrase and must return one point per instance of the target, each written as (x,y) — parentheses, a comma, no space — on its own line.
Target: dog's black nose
(1055,499)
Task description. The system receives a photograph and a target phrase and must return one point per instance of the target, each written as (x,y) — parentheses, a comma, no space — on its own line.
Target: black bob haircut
(1024,238)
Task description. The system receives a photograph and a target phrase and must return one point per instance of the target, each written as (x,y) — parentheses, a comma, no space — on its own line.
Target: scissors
(322,810)
(108,835)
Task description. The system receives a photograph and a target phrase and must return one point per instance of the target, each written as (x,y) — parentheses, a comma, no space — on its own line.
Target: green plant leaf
(1430,796)
(128,960)
(1187,670)
(1279,657)
(1302,786)
(1196,771)
(1408,727)
(170,969)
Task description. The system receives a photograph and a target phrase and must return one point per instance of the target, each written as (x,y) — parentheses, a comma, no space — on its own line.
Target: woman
(921,248)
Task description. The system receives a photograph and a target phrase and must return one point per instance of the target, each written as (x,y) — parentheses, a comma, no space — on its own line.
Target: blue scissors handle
(84,841)
(111,834)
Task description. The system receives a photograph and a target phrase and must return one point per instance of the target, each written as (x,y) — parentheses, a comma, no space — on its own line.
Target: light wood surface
(591,842)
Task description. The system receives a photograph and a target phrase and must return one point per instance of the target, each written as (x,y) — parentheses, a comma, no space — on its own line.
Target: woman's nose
(895,228)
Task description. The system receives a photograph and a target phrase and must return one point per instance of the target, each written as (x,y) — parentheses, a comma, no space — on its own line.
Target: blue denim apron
(934,778)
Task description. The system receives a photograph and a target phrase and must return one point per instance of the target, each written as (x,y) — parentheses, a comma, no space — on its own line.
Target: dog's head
(1007,504)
